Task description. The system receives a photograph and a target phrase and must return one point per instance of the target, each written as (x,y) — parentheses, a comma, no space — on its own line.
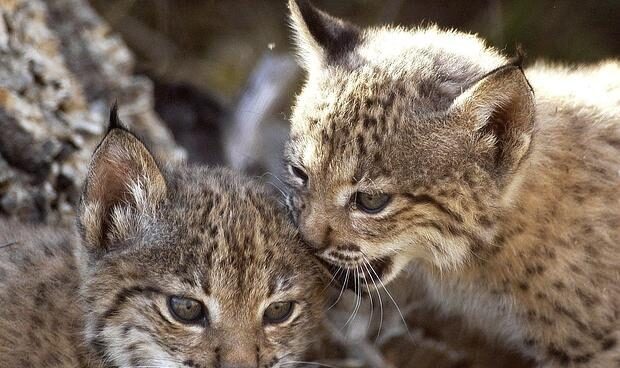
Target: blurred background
(225,69)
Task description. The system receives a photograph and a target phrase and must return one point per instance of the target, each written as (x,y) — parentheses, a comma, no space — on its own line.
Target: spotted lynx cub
(497,187)
(174,267)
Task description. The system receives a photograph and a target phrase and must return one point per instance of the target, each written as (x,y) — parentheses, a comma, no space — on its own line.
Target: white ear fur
(122,188)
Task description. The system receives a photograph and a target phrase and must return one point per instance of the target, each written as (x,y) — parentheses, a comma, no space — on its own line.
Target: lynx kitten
(497,187)
(173,267)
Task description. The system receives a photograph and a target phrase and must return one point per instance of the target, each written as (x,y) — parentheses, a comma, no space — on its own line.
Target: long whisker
(273,184)
(359,291)
(372,304)
(393,301)
(333,278)
(155,363)
(279,190)
(352,316)
(274,176)
(372,278)
(303,362)
(346,280)
(163,360)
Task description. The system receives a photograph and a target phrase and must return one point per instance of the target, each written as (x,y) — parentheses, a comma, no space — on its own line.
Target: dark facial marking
(587,299)
(326,236)
(583,358)
(532,270)
(559,285)
(191,363)
(206,287)
(608,344)
(126,294)
(218,358)
(349,247)
(257,355)
(559,354)
(342,257)
(427,199)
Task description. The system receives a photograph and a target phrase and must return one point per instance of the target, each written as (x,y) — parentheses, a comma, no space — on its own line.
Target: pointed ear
(124,185)
(500,109)
(319,36)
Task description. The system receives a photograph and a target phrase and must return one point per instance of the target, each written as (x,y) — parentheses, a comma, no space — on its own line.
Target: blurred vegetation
(214,44)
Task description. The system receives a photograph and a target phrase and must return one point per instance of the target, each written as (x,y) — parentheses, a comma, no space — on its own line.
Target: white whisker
(356,281)
(372,306)
(372,278)
(310,363)
(346,279)
(391,298)
(333,278)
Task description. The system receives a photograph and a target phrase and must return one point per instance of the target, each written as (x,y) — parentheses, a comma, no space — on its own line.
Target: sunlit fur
(101,301)
(505,182)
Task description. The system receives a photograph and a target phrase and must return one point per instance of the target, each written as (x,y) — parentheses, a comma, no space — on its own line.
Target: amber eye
(186,310)
(299,173)
(278,312)
(371,203)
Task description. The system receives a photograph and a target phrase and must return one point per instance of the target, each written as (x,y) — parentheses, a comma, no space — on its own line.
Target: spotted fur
(504,182)
(147,232)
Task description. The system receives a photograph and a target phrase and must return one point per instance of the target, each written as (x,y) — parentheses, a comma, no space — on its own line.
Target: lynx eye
(278,312)
(371,203)
(299,173)
(186,310)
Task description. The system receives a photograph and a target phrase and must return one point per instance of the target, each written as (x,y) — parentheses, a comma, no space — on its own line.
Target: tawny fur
(99,299)
(505,182)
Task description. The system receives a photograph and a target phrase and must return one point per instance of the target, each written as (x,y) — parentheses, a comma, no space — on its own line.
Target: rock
(61,68)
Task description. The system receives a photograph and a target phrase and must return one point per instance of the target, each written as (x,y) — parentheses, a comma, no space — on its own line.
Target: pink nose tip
(315,236)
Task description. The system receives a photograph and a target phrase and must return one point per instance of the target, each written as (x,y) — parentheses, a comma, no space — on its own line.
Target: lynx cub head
(189,267)
(403,143)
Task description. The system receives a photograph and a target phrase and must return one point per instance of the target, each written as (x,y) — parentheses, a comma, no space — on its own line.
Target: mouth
(367,274)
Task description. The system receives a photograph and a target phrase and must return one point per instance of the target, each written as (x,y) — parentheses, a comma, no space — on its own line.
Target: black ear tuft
(519,57)
(518,61)
(320,34)
(115,122)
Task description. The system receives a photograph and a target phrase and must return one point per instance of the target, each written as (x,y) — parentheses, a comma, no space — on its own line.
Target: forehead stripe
(126,294)
(427,199)
(280,283)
